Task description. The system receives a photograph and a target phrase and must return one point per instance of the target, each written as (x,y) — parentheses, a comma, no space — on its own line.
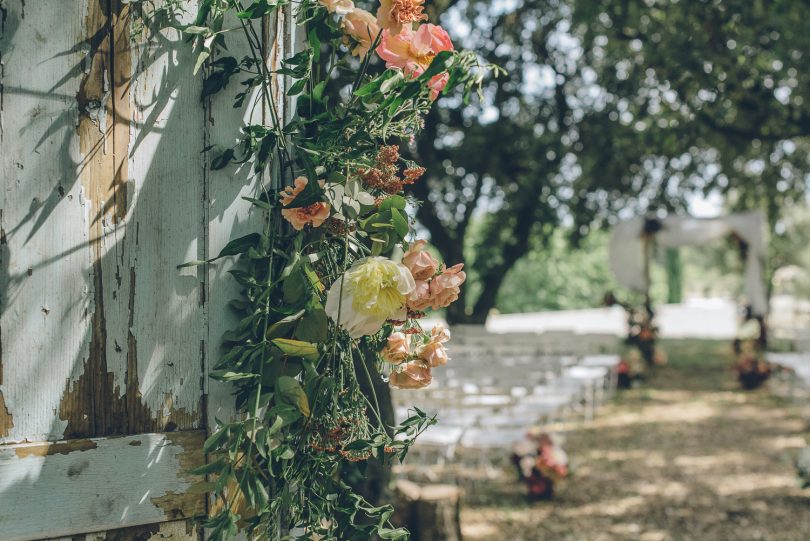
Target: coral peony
(362,27)
(411,375)
(397,349)
(372,291)
(289,193)
(393,14)
(445,288)
(340,7)
(421,264)
(412,51)
(315,214)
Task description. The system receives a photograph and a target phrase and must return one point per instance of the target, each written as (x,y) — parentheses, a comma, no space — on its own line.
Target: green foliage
(304,411)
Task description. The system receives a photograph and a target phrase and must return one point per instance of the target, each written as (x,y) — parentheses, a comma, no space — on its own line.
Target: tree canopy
(611,108)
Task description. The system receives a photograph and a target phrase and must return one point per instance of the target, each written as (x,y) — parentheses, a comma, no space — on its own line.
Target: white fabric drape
(627,248)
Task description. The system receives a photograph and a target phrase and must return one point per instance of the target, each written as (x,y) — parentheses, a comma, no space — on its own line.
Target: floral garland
(334,285)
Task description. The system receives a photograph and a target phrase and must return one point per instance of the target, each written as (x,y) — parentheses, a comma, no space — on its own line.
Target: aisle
(686,457)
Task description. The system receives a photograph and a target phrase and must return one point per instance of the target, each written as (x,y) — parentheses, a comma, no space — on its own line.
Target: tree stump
(430,512)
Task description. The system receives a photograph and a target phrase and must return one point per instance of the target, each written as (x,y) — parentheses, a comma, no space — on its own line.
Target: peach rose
(419,262)
(445,288)
(419,299)
(315,214)
(412,51)
(437,84)
(397,349)
(289,193)
(340,7)
(434,353)
(411,375)
(393,14)
(440,333)
(362,27)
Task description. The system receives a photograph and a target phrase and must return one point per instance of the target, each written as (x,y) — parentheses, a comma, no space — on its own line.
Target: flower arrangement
(752,371)
(334,283)
(541,463)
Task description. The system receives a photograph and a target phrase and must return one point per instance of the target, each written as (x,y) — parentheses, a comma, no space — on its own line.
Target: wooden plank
(179,530)
(45,284)
(79,486)
(156,331)
(102,196)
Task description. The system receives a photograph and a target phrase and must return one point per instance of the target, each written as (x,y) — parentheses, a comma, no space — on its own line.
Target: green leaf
(393,202)
(211,467)
(285,325)
(400,223)
(389,533)
(314,325)
(240,245)
(215,440)
(228,375)
(192,263)
(259,8)
(290,391)
(297,87)
(297,348)
(294,287)
(439,64)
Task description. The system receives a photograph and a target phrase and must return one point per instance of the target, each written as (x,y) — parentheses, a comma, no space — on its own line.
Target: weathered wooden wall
(105,190)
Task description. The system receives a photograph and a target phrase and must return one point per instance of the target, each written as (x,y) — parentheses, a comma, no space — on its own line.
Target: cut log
(430,512)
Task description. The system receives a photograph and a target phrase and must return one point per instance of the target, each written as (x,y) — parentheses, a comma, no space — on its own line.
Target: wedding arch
(632,241)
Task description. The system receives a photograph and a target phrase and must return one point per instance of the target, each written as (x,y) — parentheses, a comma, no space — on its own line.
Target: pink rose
(411,375)
(341,7)
(419,298)
(437,84)
(419,262)
(397,349)
(445,288)
(362,27)
(394,14)
(413,51)
(315,214)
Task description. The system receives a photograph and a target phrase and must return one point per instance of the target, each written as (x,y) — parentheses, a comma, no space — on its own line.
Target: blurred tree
(608,108)
(734,72)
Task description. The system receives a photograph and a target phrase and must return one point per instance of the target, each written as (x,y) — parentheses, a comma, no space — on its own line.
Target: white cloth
(627,248)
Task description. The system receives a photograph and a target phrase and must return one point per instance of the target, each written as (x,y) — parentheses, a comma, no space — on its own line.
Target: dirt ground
(687,456)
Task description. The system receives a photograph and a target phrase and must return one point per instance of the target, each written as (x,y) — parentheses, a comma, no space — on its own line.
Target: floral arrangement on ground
(334,284)
(541,464)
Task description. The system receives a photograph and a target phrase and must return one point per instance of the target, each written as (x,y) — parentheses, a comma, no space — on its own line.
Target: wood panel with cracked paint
(100,334)
(98,484)
(105,190)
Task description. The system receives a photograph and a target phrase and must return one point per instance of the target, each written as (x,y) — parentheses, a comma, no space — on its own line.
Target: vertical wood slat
(102,198)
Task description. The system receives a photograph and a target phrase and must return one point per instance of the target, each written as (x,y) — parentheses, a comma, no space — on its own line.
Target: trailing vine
(334,284)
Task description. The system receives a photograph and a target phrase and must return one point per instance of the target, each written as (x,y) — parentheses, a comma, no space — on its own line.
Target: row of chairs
(497,386)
